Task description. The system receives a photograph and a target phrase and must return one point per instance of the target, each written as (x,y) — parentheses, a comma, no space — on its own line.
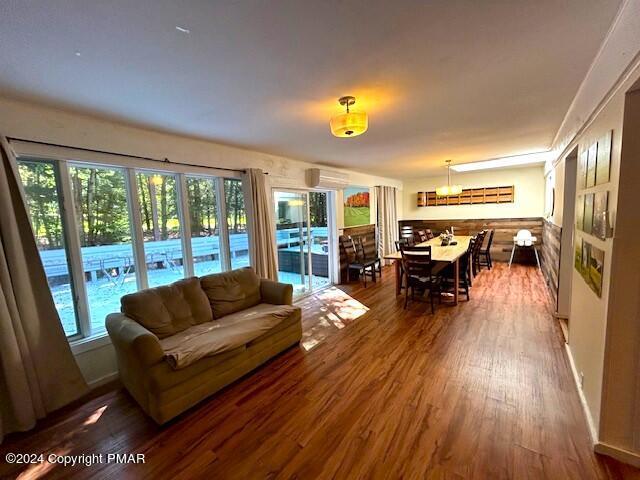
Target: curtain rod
(165,160)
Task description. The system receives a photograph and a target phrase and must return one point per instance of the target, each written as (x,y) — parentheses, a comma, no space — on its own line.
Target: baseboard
(585,406)
(625,456)
(98,382)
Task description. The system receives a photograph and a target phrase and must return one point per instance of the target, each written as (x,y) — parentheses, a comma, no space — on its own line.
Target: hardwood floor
(482,390)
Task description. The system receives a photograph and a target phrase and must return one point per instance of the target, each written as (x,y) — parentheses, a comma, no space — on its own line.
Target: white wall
(599,334)
(529,195)
(34,122)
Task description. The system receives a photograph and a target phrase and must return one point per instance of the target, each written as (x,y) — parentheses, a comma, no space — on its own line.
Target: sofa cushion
(228,333)
(169,309)
(230,292)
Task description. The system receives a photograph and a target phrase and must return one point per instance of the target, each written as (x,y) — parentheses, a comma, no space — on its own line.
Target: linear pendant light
(448,189)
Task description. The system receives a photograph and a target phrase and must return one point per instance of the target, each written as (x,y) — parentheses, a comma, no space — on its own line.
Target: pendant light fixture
(448,189)
(349,124)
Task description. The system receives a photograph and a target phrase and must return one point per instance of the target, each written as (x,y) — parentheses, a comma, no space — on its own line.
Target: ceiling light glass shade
(446,190)
(350,124)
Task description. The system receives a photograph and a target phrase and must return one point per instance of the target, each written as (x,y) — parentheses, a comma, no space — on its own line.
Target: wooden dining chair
(484,255)
(419,274)
(429,234)
(421,236)
(354,262)
(475,256)
(367,252)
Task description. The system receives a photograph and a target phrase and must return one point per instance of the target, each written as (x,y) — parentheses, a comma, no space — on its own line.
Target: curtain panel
(38,373)
(262,227)
(386,214)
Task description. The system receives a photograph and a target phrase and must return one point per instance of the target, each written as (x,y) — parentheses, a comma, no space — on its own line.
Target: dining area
(439,267)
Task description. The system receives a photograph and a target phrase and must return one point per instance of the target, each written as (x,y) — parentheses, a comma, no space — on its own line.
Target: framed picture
(591,165)
(578,255)
(596,265)
(603,166)
(357,210)
(580,212)
(586,253)
(582,169)
(588,214)
(600,213)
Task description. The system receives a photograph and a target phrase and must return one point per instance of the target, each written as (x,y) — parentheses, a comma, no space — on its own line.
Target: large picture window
(158,198)
(104,231)
(41,184)
(236,223)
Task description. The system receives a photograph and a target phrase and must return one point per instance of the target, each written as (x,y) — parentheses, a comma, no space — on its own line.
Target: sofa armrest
(133,340)
(276,293)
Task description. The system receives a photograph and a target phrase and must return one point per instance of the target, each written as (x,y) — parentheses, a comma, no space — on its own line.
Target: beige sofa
(180,343)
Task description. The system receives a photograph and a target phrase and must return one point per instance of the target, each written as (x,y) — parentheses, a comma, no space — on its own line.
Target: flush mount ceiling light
(349,124)
(448,189)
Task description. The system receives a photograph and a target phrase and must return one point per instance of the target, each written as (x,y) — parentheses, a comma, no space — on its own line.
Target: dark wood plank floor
(482,390)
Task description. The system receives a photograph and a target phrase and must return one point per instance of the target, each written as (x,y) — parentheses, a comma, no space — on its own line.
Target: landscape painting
(588,214)
(580,213)
(596,262)
(586,253)
(582,169)
(600,214)
(357,210)
(604,159)
(591,165)
(578,255)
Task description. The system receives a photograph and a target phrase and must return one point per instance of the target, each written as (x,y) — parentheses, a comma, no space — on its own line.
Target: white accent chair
(524,239)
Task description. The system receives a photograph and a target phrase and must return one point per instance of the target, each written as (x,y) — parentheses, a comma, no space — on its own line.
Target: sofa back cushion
(170,309)
(230,292)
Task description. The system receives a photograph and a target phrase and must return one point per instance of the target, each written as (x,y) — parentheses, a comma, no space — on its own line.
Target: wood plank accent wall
(550,259)
(503,194)
(505,230)
(365,232)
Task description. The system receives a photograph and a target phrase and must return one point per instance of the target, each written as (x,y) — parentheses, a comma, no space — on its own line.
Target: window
(158,198)
(205,230)
(104,231)
(42,190)
(236,223)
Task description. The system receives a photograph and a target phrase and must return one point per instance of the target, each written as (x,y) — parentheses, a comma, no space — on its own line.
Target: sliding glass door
(302,238)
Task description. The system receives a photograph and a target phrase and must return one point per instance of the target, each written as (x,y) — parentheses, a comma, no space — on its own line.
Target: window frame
(61,158)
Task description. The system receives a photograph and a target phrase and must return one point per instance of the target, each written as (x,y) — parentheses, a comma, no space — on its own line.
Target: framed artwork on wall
(578,255)
(588,214)
(582,169)
(592,156)
(600,213)
(357,210)
(580,212)
(603,167)
(596,265)
(586,253)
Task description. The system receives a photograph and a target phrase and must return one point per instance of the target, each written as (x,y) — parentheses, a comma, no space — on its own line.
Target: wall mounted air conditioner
(330,179)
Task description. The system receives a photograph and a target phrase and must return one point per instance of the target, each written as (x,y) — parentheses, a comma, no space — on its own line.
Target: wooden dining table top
(448,254)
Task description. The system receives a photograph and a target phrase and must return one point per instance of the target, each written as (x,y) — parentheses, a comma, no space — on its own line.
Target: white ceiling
(466,80)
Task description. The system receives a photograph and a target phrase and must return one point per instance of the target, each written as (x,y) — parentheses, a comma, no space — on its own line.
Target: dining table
(444,254)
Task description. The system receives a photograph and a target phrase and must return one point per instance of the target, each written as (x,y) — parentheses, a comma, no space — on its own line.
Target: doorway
(303,239)
(566,239)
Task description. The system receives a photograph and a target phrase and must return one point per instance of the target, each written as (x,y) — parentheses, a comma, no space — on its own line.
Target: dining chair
(448,274)
(429,234)
(475,256)
(485,251)
(354,263)
(524,239)
(419,274)
(421,236)
(367,251)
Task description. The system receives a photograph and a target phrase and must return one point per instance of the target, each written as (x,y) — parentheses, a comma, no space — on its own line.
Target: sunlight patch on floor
(334,310)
